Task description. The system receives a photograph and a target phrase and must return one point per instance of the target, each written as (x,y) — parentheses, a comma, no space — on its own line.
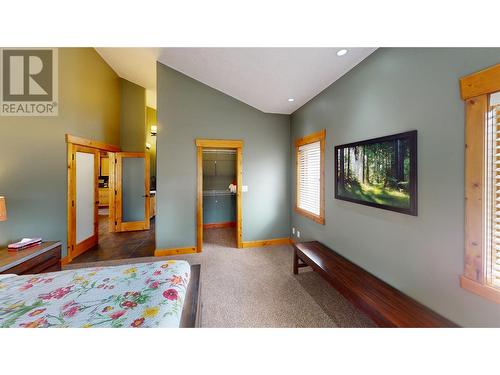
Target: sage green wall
(132,116)
(188,109)
(395,90)
(33,149)
(151,120)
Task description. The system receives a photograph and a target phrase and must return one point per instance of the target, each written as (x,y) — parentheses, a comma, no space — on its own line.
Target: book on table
(24,243)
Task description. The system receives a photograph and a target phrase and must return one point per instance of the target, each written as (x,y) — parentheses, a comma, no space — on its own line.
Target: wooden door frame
(74,144)
(224,144)
(117,186)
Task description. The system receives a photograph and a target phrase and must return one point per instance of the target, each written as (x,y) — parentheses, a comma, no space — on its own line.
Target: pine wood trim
(111,190)
(310,215)
(219,143)
(475,90)
(475,118)
(91,143)
(147,189)
(135,225)
(199,200)
(483,82)
(85,245)
(239,197)
(318,136)
(311,138)
(261,243)
(227,224)
(75,144)
(175,251)
(65,260)
(71,202)
(74,249)
(483,290)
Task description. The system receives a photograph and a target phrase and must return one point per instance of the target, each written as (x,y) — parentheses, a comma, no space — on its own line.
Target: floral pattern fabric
(138,295)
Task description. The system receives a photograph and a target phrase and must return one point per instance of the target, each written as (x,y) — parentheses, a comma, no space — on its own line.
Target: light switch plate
(293,230)
(244,188)
(298,234)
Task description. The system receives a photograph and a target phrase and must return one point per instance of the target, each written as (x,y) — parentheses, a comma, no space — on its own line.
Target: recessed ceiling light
(341,52)
(291,99)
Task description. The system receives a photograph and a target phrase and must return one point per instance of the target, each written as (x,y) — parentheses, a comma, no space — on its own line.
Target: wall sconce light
(154,130)
(3,209)
(148,146)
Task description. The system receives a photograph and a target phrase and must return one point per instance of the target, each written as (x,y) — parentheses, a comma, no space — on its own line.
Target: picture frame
(379,172)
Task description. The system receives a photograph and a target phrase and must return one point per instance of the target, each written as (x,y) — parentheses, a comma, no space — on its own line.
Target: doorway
(215,207)
(109,213)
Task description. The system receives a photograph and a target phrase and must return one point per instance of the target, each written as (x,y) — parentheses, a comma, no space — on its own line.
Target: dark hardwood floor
(120,245)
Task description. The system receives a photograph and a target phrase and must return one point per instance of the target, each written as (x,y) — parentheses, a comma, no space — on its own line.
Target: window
(492,208)
(310,161)
(481,92)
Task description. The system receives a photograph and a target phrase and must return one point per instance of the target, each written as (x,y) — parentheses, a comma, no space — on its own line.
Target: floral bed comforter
(138,295)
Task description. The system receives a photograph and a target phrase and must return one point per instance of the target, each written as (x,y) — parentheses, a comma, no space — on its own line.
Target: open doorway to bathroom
(219,208)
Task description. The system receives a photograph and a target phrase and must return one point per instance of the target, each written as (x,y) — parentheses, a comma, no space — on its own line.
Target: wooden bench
(385,305)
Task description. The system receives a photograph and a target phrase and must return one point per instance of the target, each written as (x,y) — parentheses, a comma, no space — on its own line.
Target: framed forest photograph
(379,172)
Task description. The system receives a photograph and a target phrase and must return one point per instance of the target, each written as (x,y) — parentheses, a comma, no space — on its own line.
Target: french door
(130,205)
(85,199)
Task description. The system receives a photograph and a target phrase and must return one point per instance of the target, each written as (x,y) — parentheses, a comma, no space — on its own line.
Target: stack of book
(24,243)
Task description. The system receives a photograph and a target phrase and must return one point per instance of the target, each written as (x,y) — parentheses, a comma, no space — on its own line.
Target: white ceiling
(261,77)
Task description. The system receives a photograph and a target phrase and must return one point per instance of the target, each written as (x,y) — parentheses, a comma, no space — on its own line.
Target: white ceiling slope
(263,78)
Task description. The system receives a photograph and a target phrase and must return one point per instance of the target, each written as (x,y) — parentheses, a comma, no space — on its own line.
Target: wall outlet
(298,234)
(244,188)
(293,230)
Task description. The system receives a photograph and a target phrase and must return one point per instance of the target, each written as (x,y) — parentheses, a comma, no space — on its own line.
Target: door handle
(146,196)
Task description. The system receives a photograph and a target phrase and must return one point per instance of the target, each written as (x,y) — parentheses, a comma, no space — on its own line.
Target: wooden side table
(45,257)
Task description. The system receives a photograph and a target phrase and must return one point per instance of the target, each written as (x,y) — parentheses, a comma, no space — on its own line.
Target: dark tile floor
(120,245)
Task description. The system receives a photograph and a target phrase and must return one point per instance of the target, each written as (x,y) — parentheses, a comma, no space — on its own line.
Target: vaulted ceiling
(264,78)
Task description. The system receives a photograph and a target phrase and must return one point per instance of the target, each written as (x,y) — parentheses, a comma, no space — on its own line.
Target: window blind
(309,177)
(493,197)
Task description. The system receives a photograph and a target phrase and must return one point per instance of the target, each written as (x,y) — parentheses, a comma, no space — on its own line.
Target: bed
(154,294)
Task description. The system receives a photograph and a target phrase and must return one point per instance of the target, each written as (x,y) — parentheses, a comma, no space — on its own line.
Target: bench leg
(295,263)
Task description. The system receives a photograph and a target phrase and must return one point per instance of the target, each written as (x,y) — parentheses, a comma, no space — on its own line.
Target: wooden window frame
(475,91)
(311,138)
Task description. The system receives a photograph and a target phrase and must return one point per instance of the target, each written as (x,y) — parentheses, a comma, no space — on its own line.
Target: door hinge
(73,156)
(116,192)
(72,203)
(116,222)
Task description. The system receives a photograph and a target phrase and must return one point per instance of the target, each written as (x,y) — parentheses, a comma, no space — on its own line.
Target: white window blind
(309,177)
(493,194)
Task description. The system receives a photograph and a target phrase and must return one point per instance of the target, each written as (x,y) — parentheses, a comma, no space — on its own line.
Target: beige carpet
(255,287)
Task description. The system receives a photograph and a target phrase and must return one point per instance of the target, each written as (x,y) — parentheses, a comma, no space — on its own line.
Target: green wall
(33,172)
(188,109)
(151,120)
(132,116)
(395,90)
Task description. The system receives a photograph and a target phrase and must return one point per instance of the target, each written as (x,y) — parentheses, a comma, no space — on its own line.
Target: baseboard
(219,225)
(274,241)
(174,251)
(85,245)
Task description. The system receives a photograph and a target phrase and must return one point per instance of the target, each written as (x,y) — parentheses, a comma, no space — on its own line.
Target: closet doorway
(219,185)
